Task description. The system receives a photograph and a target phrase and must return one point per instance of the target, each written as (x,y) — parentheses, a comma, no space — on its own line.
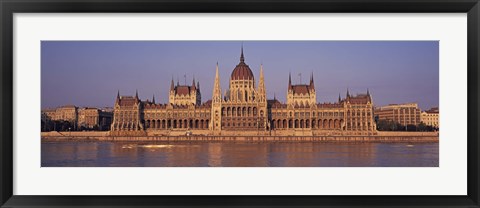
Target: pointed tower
(199,94)
(339,98)
(313,93)
(193,84)
(171,94)
(289,80)
(262,92)
(312,83)
(347,98)
(153,99)
(216,117)
(242,58)
(369,96)
(290,90)
(262,101)
(118,97)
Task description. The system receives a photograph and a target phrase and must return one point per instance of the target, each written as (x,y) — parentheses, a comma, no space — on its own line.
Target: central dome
(242,71)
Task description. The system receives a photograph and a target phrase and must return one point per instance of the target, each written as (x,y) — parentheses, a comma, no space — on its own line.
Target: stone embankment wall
(406,133)
(75,134)
(103,136)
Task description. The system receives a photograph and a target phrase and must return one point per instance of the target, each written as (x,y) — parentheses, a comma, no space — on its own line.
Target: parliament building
(243,109)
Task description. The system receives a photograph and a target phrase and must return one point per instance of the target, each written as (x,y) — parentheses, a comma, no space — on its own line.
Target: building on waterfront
(67,113)
(94,118)
(67,116)
(184,94)
(243,109)
(127,115)
(403,114)
(430,117)
(73,118)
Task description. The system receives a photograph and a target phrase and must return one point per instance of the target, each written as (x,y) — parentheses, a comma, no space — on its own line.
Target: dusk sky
(89,73)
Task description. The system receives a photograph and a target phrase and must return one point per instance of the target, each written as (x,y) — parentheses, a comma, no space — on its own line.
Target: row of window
(176,115)
(307,114)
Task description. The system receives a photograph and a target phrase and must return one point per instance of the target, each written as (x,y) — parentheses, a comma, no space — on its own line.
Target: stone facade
(430,117)
(184,94)
(404,114)
(79,118)
(127,116)
(243,109)
(66,113)
(94,118)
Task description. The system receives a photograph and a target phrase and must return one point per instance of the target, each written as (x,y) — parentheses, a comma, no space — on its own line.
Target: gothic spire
(217,94)
(289,80)
(348,93)
(242,58)
(118,96)
(261,85)
(193,84)
(136,94)
(369,96)
(312,83)
(153,99)
(339,98)
(172,86)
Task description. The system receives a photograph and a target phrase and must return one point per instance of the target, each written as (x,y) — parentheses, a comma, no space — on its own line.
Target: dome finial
(242,58)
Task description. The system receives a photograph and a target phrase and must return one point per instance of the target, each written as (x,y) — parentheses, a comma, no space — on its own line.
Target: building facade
(77,118)
(94,119)
(243,109)
(431,118)
(404,114)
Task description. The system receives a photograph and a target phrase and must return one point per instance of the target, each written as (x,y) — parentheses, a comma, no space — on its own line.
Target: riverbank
(380,137)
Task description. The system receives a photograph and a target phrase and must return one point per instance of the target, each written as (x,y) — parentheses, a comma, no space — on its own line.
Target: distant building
(430,117)
(243,109)
(75,118)
(66,113)
(94,118)
(48,114)
(67,116)
(105,119)
(404,114)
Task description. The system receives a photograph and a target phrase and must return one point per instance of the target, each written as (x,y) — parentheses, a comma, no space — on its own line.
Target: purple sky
(89,73)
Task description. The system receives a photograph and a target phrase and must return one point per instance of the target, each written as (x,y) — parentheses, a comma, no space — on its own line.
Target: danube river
(230,154)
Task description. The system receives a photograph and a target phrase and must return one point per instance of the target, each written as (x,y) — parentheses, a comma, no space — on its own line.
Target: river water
(229,154)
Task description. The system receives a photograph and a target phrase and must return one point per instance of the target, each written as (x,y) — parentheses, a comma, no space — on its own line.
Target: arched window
(239,96)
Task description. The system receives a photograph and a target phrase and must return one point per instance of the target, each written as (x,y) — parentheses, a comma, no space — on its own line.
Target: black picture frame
(9,7)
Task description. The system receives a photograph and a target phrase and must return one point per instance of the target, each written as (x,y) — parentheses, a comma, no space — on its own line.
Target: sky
(89,73)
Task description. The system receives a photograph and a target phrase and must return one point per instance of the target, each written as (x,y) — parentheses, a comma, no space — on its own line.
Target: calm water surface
(164,154)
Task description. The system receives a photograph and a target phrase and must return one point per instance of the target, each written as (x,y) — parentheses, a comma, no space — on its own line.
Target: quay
(381,137)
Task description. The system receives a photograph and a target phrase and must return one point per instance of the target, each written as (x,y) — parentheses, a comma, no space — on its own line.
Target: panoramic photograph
(240,104)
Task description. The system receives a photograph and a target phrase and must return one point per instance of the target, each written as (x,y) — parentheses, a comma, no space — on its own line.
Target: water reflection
(191,154)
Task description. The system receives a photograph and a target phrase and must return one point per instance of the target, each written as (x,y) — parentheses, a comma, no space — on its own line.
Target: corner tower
(216,117)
